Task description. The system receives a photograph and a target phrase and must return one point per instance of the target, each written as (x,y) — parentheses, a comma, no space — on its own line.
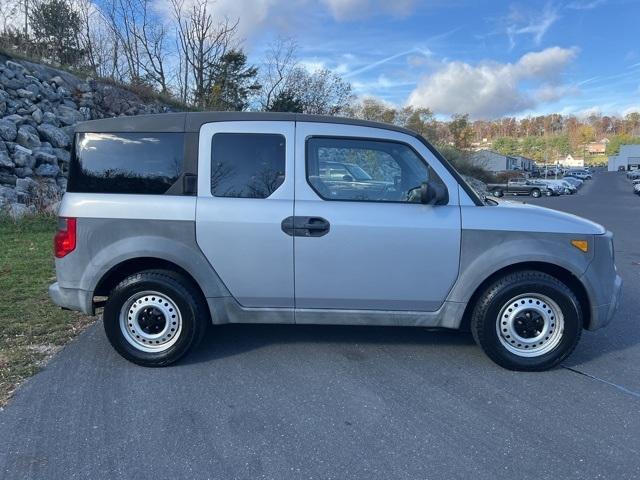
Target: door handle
(305,226)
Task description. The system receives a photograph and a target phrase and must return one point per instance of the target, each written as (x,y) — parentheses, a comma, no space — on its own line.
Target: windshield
(357,172)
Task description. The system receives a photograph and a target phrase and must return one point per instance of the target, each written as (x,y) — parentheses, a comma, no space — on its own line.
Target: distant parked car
(633,174)
(553,189)
(518,186)
(581,174)
(576,182)
(565,187)
(636,189)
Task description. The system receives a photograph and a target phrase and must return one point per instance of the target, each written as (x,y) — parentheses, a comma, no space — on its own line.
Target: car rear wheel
(528,321)
(498,193)
(155,317)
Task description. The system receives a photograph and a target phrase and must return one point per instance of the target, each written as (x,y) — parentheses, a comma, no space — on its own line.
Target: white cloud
(492,89)
(312,66)
(533,24)
(255,15)
(356,9)
(585,4)
(631,109)
(252,15)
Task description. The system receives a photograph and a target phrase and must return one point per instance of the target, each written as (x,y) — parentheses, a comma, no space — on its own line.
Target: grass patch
(32,328)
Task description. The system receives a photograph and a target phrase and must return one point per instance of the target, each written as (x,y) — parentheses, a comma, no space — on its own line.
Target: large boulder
(26,185)
(5,161)
(17,210)
(44,157)
(23,158)
(9,194)
(7,178)
(28,137)
(69,116)
(28,94)
(47,170)
(55,136)
(8,130)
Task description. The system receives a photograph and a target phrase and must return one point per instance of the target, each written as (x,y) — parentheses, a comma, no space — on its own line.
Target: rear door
(245,190)
(365,243)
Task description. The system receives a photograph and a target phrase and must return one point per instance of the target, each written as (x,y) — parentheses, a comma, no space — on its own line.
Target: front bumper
(601,315)
(603,284)
(72,298)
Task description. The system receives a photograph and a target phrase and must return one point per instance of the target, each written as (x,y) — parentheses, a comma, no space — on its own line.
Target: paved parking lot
(344,402)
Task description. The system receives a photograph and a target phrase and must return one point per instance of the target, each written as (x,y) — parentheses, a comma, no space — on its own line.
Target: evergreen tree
(55,27)
(233,82)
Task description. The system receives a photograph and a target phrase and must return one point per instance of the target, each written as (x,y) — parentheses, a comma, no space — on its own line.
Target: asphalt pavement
(319,402)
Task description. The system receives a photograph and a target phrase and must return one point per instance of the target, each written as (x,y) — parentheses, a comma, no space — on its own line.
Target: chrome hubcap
(530,325)
(150,321)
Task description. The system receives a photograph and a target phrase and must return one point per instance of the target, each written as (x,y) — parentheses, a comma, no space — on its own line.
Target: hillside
(39,106)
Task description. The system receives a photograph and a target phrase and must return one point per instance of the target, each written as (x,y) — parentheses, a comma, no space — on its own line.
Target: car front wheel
(535,193)
(527,321)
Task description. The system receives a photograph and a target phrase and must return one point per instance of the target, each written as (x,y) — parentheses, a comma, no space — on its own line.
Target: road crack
(602,380)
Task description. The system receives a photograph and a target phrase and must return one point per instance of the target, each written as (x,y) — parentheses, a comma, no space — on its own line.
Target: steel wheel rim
(150,321)
(530,325)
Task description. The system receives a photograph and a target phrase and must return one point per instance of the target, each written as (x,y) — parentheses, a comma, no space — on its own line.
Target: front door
(371,244)
(245,190)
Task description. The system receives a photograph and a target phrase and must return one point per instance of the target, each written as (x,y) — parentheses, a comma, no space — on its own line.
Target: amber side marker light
(581,245)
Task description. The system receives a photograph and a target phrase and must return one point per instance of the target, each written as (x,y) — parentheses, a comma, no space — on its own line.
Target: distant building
(571,161)
(597,148)
(497,162)
(526,164)
(628,158)
(485,144)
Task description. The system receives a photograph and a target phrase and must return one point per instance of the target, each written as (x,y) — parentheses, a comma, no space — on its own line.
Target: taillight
(65,240)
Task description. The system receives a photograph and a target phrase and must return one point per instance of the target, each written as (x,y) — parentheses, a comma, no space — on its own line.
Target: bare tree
(279,64)
(203,42)
(151,35)
(121,16)
(141,37)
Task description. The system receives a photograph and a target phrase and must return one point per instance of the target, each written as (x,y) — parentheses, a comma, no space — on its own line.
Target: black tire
(498,193)
(497,299)
(535,193)
(177,297)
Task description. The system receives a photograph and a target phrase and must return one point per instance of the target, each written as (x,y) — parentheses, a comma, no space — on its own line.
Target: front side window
(247,165)
(366,170)
(145,163)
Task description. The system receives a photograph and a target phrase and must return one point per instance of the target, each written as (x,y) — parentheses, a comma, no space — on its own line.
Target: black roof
(192,121)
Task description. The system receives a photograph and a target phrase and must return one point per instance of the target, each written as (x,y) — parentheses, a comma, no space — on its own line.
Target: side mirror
(347,178)
(433,194)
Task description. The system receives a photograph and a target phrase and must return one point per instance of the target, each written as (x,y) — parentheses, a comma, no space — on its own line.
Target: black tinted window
(148,163)
(247,165)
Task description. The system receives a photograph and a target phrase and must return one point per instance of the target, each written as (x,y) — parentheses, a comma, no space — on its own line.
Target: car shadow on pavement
(222,341)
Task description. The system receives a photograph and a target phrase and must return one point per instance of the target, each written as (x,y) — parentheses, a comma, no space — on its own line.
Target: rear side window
(247,165)
(143,163)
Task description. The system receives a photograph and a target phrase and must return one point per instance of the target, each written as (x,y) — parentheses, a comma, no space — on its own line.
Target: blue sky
(486,58)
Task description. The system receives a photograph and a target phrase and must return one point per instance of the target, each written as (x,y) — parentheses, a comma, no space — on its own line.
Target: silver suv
(172,222)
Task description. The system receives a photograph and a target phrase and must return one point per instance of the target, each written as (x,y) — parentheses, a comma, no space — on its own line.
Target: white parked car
(564,187)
